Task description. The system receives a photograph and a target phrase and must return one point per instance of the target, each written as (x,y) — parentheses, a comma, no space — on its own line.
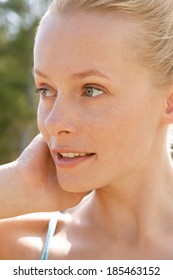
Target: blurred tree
(18,21)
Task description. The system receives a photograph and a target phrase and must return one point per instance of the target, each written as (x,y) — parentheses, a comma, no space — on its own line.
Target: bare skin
(87,239)
(129,215)
(30,183)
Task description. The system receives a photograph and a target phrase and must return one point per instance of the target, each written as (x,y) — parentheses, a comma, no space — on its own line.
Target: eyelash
(43,91)
(93,88)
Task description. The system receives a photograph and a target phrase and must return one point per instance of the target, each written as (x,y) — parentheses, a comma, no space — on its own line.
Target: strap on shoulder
(51,230)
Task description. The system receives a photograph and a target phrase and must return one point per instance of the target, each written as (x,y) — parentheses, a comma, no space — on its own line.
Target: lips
(70,159)
(74,155)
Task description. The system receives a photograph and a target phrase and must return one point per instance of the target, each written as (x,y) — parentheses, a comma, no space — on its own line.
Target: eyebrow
(88,73)
(82,74)
(39,73)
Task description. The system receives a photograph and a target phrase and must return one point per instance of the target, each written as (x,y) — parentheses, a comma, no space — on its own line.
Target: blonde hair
(153,23)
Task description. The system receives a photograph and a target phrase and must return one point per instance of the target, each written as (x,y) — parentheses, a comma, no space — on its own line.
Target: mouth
(73,155)
(69,160)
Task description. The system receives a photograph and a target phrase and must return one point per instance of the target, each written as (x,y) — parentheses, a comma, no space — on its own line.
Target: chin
(74,187)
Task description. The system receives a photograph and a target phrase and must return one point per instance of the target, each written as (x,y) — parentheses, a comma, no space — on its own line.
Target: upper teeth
(72,155)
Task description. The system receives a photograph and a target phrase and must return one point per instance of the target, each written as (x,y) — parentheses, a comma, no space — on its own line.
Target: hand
(38,173)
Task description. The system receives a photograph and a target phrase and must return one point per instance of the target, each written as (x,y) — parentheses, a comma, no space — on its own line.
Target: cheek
(41,119)
(125,132)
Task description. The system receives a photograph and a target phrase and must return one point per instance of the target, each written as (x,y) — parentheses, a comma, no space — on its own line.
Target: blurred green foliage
(18,21)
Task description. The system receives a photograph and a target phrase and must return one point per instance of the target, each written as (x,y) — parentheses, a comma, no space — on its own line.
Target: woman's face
(98,112)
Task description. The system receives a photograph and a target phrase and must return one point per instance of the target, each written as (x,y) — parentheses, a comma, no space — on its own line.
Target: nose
(61,118)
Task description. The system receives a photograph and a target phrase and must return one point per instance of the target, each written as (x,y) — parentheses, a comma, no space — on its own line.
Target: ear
(168,113)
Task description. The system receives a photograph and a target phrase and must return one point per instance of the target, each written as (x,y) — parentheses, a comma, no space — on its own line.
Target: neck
(140,205)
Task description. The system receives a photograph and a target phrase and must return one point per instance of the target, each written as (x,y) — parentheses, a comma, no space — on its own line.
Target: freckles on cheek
(104,124)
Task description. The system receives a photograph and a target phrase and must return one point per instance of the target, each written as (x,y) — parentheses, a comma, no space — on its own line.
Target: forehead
(70,41)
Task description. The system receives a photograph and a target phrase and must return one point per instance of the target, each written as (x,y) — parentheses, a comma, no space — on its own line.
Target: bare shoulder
(22,237)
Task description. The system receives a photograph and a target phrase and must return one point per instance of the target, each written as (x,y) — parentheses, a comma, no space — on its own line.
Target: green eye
(44,92)
(92,91)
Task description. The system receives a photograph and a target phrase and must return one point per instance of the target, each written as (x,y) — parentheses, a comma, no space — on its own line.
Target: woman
(104,73)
